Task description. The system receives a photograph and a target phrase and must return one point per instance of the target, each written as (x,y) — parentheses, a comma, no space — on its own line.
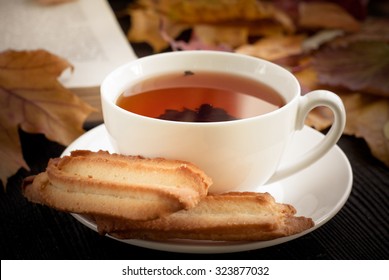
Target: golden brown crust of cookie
(225,217)
(128,187)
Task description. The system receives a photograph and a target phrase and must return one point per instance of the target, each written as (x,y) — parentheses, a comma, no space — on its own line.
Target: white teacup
(238,155)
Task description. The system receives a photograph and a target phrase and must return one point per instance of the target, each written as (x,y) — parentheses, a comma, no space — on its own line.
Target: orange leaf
(31,98)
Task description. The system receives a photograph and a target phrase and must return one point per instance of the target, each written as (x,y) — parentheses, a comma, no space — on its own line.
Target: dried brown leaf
(214,35)
(214,23)
(211,12)
(326,15)
(274,48)
(361,66)
(372,30)
(10,149)
(146,25)
(32,99)
(368,117)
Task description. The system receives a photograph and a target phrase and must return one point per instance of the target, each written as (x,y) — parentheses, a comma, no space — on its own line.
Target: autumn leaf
(368,118)
(274,47)
(360,66)
(146,25)
(326,15)
(32,99)
(214,35)
(372,30)
(10,150)
(216,12)
(213,23)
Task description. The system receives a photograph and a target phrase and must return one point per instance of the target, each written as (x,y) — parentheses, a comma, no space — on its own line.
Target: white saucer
(319,192)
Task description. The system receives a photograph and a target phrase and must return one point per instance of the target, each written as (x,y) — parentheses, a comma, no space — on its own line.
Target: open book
(84,32)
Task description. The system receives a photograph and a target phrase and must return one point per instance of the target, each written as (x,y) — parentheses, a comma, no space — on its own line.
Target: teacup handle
(308,102)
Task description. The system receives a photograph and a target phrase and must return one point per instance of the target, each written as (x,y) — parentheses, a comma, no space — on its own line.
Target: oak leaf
(32,99)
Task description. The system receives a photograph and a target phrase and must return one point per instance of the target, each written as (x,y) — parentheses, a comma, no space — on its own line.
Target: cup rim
(124,67)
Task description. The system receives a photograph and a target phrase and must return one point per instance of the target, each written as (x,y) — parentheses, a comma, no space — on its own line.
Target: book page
(85,32)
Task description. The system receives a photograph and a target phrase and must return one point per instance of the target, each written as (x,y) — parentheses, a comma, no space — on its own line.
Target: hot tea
(200,97)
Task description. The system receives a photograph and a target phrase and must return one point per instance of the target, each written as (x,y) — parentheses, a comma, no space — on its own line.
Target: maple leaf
(32,99)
